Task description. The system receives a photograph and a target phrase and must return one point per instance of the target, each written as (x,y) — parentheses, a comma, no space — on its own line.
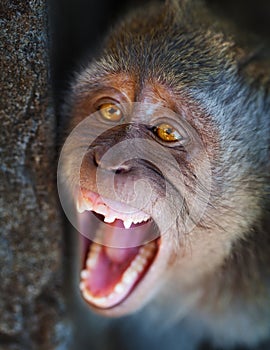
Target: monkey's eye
(111,112)
(167,133)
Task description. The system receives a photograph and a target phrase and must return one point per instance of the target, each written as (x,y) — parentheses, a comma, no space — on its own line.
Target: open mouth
(118,258)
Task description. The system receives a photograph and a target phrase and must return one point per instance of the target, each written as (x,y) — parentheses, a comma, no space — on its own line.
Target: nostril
(95,160)
(122,169)
(117,168)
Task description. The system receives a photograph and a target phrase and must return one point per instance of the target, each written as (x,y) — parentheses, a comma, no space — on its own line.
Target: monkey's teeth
(119,288)
(110,215)
(128,279)
(83,205)
(92,256)
(102,209)
(127,223)
(84,274)
(109,219)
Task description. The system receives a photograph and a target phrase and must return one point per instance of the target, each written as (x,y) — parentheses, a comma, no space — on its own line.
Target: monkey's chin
(120,264)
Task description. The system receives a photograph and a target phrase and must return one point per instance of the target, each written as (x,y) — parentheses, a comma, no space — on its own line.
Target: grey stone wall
(31,305)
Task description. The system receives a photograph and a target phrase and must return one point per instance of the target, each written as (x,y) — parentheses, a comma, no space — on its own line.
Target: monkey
(167,168)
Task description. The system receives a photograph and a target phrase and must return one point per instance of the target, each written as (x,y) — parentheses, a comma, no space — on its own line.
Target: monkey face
(142,169)
(139,182)
(165,173)
(140,178)
(147,169)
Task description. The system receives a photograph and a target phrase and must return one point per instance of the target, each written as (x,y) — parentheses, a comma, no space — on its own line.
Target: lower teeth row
(128,278)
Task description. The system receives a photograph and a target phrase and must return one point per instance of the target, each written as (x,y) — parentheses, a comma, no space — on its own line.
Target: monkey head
(158,166)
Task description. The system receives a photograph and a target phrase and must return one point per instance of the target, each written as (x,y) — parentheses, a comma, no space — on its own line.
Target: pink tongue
(107,274)
(121,243)
(119,255)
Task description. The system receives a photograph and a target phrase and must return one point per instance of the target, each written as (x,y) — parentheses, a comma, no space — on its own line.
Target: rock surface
(31,305)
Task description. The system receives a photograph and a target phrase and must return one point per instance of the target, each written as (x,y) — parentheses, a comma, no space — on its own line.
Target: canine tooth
(83,205)
(127,223)
(84,274)
(79,208)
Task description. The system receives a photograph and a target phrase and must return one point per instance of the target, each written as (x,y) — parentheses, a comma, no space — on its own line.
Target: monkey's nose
(113,165)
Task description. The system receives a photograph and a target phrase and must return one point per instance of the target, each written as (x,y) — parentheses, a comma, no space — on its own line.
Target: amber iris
(167,133)
(111,112)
